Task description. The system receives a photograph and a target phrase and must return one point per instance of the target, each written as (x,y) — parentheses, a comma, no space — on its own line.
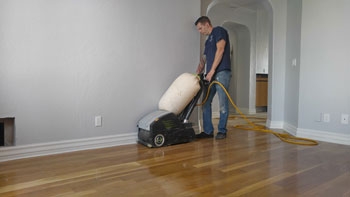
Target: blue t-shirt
(216,35)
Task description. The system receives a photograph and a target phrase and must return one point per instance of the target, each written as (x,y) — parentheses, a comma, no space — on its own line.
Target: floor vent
(2,134)
(7,131)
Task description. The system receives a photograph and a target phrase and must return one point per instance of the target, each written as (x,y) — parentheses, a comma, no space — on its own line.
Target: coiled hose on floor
(252,126)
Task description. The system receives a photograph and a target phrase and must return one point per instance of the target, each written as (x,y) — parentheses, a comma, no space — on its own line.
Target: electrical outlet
(98,121)
(326,117)
(344,118)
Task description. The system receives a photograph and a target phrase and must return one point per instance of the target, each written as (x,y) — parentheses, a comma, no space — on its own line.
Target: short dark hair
(203,20)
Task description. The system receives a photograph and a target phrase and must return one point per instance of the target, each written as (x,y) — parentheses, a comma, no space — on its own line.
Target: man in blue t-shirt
(216,65)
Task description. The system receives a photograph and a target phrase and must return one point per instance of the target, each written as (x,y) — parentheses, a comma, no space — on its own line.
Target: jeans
(224,78)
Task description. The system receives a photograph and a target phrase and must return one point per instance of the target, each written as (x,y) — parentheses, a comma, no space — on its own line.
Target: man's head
(203,25)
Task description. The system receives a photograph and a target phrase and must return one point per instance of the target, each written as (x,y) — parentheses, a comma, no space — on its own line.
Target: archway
(249,24)
(240,58)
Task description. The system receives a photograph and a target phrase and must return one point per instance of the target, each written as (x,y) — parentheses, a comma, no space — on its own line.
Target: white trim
(34,150)
(311,134)
(274,124)
(324,136)
(215,115)
(290,128)
(252,111)
(196,129)
(247,110)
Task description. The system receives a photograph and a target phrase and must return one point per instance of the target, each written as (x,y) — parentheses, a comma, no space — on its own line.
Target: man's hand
(200,68)
(210,75)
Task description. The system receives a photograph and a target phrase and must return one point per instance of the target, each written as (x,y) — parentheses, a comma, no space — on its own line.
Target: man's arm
(220,48)
(201,65)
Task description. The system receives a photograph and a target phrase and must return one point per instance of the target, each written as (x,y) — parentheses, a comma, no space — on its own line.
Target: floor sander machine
(170,124)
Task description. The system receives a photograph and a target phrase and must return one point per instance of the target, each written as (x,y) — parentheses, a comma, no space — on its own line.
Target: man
(216,65)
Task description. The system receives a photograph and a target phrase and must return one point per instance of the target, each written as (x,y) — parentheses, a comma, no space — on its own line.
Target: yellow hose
(251,126)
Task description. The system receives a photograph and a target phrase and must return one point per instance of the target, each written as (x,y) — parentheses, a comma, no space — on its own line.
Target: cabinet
(261,90)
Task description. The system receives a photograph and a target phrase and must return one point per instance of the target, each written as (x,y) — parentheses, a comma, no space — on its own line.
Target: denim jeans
(224,78)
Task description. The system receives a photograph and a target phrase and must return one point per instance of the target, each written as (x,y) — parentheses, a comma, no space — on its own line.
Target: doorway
(249,25)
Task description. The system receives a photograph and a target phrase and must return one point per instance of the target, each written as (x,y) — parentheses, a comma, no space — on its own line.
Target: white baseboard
(324,136)
(291,129)
(311,134)
(197,129)
(245,111)
(34,150)
(274,124)
(215,115)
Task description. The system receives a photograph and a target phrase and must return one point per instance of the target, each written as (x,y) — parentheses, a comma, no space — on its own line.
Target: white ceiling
(249,4)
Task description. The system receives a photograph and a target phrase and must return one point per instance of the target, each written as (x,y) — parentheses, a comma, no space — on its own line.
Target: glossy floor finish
(246,163)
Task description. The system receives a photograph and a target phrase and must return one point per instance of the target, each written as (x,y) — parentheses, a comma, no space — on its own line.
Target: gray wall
(64,62)
(263,29)
(324,65)
(277,62)
(315,34)
(292,70)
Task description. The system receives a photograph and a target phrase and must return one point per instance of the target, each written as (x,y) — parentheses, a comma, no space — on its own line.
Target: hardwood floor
(246,163)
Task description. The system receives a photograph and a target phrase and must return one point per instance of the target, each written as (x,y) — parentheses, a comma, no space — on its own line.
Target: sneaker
(204,135)
(220,136)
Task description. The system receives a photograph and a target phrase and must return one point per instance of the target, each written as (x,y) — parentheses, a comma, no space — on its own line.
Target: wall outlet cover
(98,121)
(344,118)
